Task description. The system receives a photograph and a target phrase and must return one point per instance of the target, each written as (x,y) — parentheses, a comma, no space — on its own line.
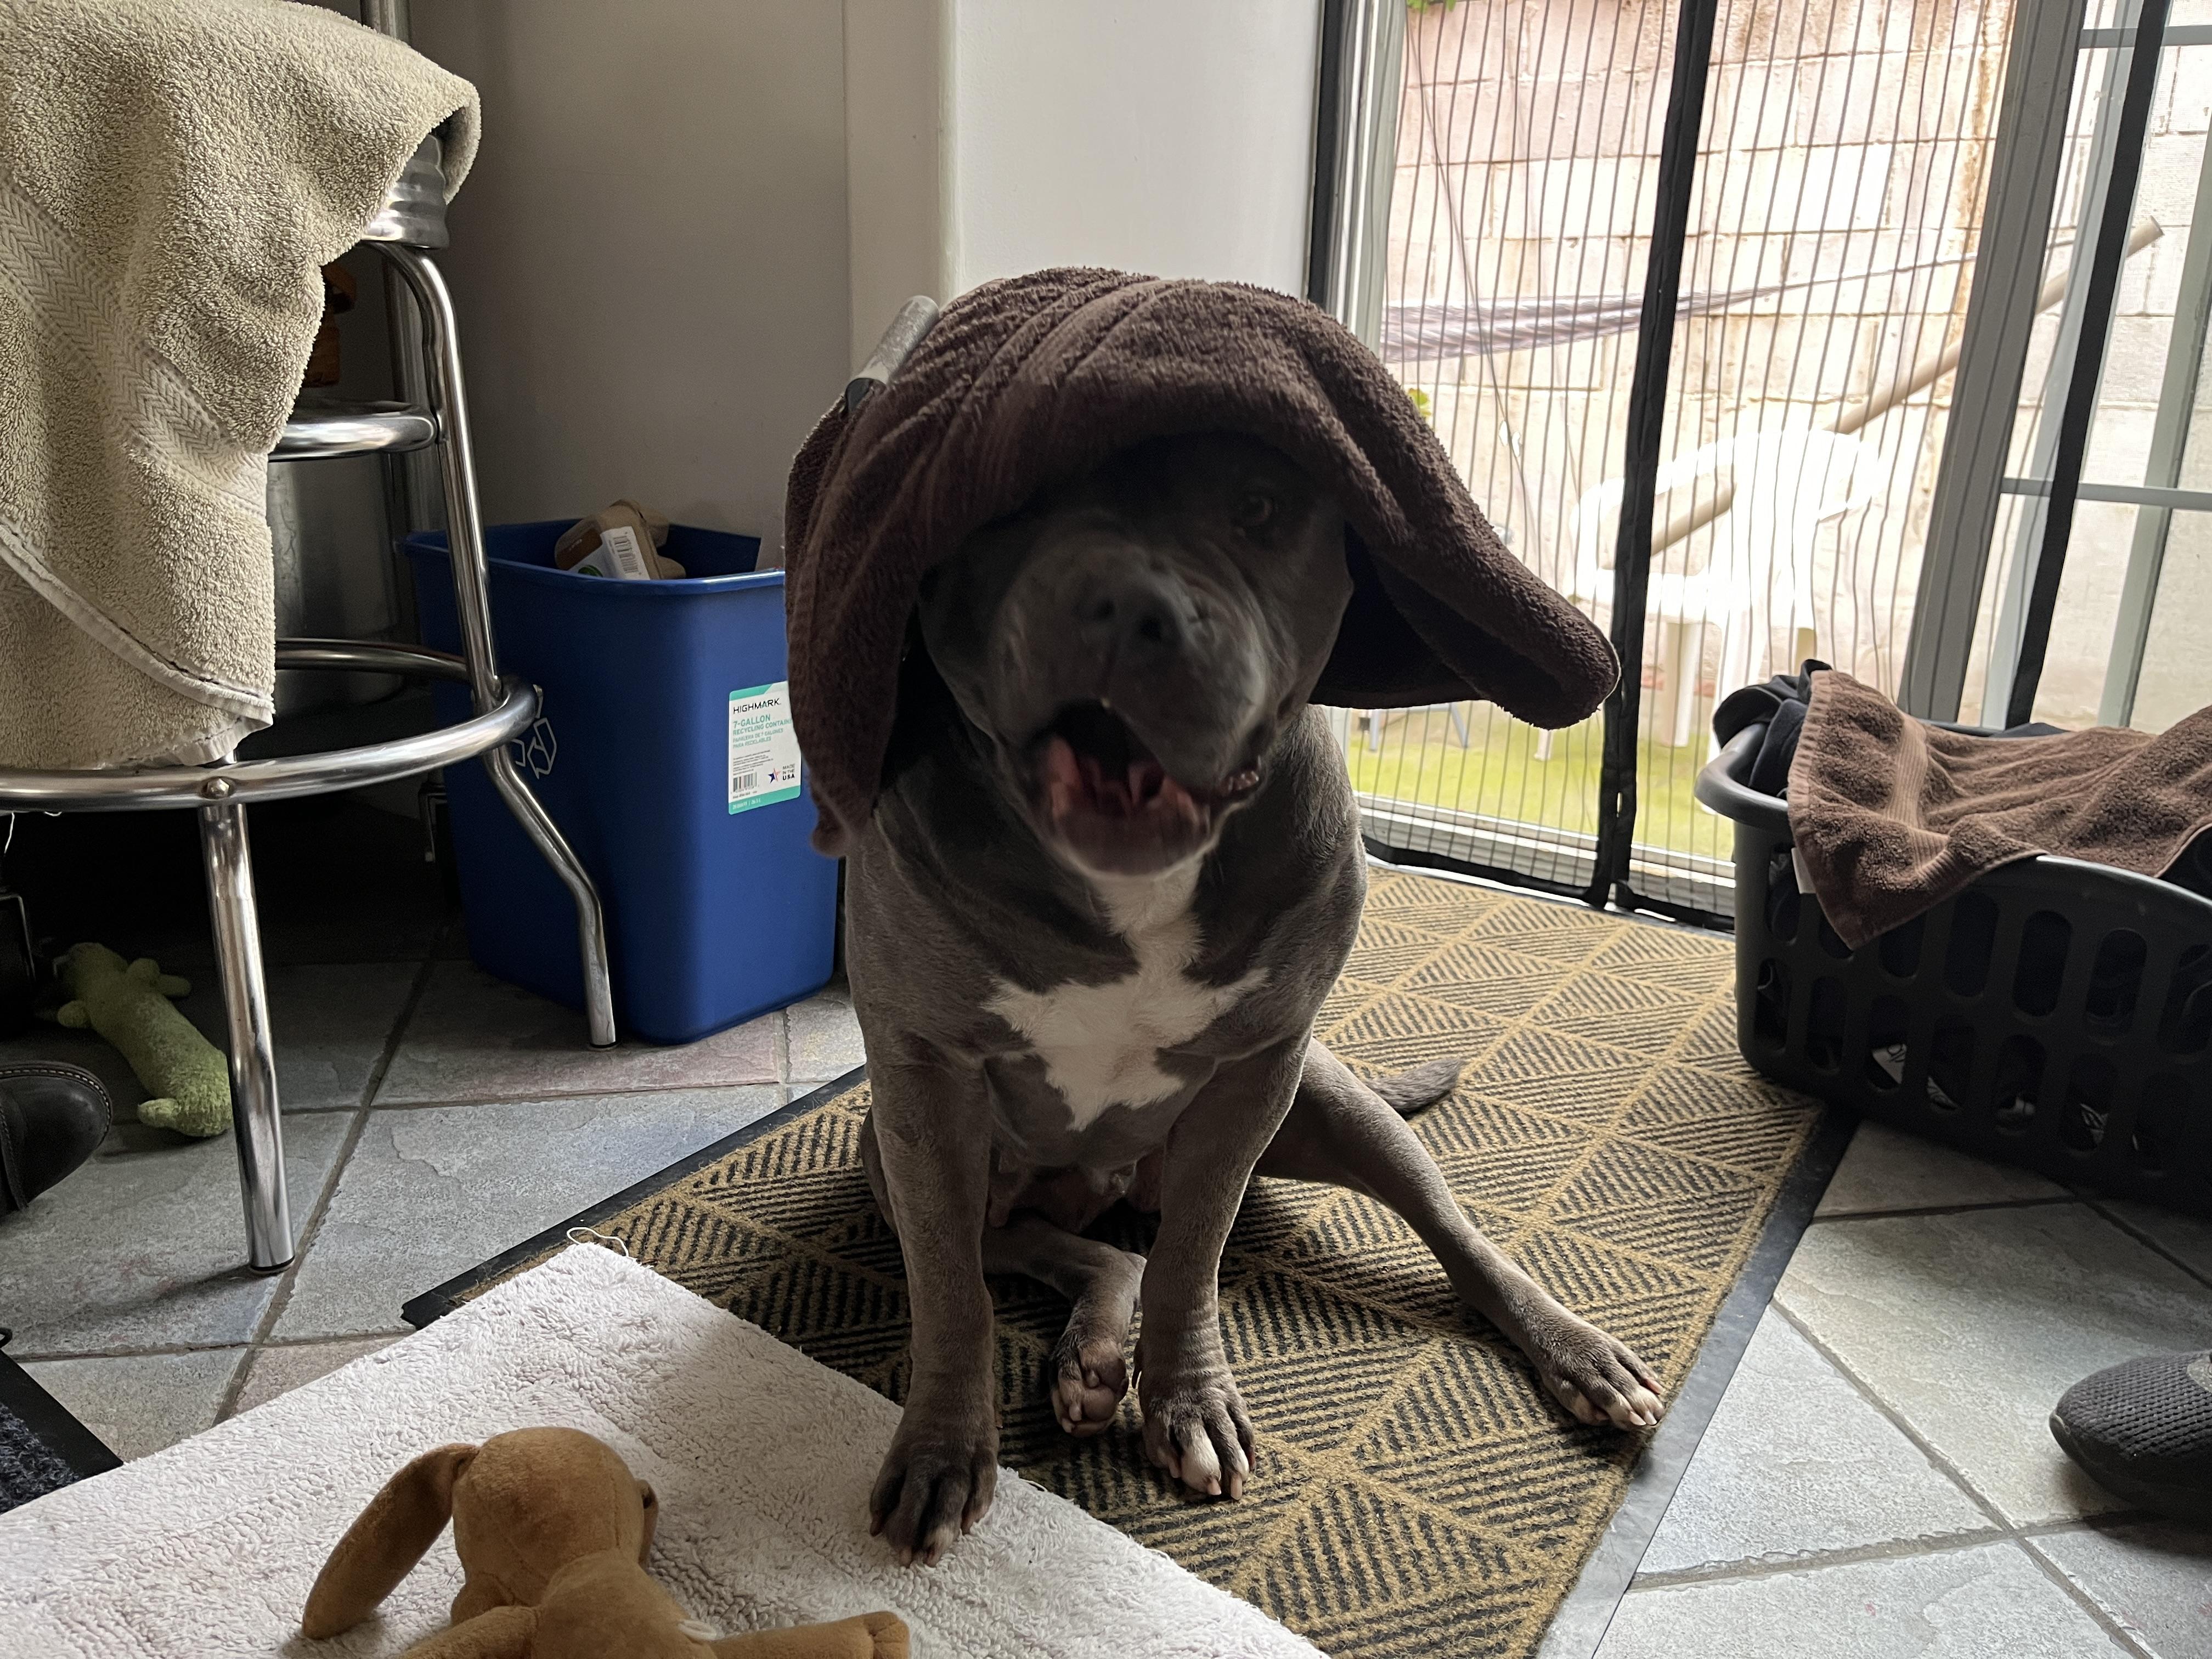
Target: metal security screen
(1828,202)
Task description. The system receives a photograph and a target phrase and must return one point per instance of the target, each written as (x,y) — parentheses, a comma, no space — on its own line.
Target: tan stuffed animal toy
(552,1530)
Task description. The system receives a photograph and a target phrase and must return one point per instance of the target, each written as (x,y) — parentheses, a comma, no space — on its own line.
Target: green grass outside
(1497,774)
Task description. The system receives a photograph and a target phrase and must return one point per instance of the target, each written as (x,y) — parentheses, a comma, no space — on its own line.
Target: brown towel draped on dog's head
(1034,380)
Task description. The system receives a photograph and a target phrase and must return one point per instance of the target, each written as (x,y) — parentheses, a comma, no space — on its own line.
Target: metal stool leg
(464,543)
(256,1127)
(591,921)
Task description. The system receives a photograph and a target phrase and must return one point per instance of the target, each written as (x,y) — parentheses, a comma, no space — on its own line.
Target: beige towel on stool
(173,173)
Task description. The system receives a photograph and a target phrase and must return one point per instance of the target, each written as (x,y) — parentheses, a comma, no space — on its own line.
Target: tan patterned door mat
(1414,1494)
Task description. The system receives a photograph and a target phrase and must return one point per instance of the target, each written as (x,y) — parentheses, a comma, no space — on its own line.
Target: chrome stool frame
(411,220)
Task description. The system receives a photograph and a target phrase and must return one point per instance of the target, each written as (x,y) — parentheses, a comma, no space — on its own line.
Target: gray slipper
(2143,1431)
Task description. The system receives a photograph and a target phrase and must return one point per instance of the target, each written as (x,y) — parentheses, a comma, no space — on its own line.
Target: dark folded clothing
(1779,705)
(1032,380)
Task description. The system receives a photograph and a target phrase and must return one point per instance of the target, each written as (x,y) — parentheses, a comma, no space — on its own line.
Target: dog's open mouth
(1099,783)
(1093,760)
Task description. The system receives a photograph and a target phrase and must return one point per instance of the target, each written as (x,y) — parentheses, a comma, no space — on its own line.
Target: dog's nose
(1137,612)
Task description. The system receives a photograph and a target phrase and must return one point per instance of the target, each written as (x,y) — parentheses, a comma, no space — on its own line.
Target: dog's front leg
(1194,1423)
(932,1131)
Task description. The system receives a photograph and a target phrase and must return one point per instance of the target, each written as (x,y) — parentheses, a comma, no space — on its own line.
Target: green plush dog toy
(185,1074)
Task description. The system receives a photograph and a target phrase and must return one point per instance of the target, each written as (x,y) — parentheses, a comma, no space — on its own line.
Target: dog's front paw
(936,1484)
(1195,1428)
(1598,1378)
(1089,1379)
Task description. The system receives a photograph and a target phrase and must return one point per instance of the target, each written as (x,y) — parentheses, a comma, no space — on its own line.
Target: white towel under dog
(173,173)
(762,1457)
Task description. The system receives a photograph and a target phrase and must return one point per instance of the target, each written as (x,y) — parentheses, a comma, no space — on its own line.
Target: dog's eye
(1253,509)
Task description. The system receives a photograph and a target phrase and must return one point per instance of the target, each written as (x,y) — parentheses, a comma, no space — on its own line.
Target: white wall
(1170,136)
(690,218)
(898,118)
(988,137)
(649,259)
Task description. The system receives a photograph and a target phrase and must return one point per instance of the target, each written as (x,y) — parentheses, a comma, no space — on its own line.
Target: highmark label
(764,747)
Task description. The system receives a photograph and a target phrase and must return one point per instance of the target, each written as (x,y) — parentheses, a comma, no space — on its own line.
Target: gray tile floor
(1877,1482)
(433,1116)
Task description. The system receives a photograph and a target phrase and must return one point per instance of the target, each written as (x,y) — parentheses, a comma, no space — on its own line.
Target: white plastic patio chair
(1757,577)
(1371,719)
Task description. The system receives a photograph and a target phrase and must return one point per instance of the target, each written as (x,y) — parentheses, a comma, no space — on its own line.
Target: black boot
(52,1117)
(2143,1431)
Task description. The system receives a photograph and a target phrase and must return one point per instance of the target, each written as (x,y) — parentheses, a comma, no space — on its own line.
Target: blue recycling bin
(664,751)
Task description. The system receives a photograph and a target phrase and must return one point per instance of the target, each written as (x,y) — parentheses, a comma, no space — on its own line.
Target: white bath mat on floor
(762,1457)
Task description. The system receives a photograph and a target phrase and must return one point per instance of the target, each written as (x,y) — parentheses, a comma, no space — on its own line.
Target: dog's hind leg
(1342,1132)
(1090,1372)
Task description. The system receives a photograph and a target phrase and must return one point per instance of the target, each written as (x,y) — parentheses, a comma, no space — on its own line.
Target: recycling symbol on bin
(537,749)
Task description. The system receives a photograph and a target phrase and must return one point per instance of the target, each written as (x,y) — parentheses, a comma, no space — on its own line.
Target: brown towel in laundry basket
(1890,816)
(1034,380)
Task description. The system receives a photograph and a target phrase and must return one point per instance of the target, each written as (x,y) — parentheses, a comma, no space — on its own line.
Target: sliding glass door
(1892,209)
(1840,162)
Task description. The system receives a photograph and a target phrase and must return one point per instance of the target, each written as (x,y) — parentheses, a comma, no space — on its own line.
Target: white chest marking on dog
(1100,1043)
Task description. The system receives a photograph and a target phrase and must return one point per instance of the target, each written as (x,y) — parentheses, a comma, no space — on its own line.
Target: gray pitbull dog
(1115,868)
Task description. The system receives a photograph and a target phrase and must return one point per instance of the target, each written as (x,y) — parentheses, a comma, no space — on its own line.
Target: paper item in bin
(617,556)
(583,546)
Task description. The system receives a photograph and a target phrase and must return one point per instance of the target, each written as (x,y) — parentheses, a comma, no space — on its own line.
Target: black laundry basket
(2054,1015)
